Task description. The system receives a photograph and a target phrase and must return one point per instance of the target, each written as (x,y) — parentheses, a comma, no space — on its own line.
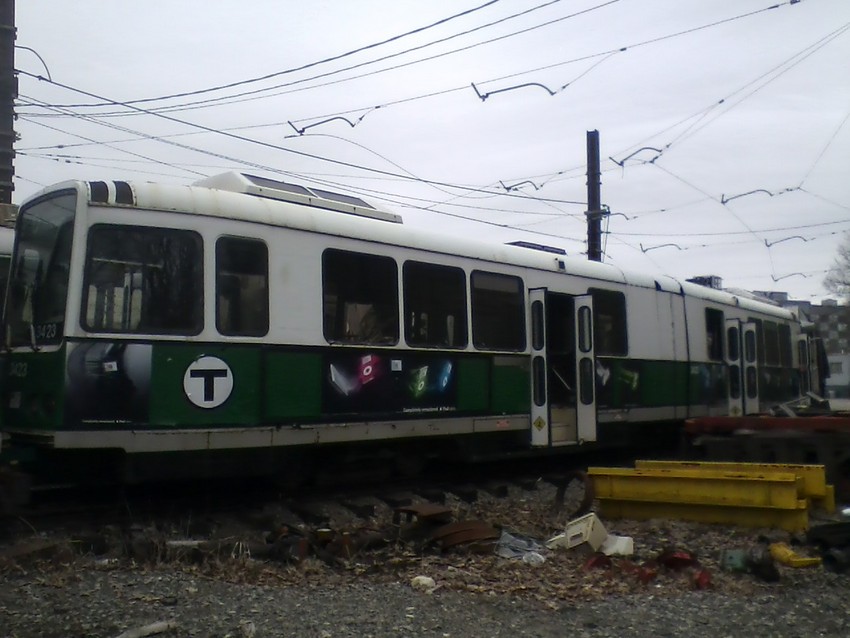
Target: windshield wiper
(35,347)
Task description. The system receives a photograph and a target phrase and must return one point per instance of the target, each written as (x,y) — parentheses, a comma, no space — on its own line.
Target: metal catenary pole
(594,207)
(8,95)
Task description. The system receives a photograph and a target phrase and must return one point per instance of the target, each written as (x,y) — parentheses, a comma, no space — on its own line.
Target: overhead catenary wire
(539,219)
(271,169)
(349,68)
(551,92)
(122,150)
(656,39)
(606,52)
(768,76)
(303,67)
(497,224)
(374,193)
(845,222)
(825,148)
(278,147)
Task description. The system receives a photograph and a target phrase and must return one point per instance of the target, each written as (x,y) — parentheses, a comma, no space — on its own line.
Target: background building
(832,321)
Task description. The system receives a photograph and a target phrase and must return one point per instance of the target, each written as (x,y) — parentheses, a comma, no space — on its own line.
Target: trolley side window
(759,338)
(360,298)
(714,325)
(771,343)
(498,311)
(609,322)
(434,305)
(143,280)
(38,283)
(241,287)
(785,347)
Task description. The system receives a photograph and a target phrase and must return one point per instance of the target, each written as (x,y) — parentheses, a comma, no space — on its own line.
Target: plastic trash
(586,530)
(787,556)
(733,560)
(760,563)
(516,546)
(618,546)
(423,583)
(533,558)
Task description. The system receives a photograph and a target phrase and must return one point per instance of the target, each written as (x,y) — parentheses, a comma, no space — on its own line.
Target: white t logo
(208,382)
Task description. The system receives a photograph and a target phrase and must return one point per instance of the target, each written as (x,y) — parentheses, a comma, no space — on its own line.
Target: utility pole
(595,211)
(8,95)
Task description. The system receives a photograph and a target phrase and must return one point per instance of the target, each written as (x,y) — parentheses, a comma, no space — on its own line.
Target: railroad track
(153,521)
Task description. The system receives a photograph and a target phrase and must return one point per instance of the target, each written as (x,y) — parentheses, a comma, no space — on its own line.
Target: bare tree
(837,278)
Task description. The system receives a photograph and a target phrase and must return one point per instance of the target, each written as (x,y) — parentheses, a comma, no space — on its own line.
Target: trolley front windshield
(38,287)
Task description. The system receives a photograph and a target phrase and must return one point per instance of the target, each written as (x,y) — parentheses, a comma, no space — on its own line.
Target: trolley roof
(261,200)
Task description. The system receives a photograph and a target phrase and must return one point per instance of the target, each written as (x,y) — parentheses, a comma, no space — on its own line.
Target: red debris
(676,560)
(597,561)
(701,579)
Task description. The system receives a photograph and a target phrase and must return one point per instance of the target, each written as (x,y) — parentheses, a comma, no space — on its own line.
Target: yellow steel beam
(827,503)
(791,520)
(779,490)
(814,476)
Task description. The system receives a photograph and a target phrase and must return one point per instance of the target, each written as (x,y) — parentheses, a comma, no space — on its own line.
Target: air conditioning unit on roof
(297,194)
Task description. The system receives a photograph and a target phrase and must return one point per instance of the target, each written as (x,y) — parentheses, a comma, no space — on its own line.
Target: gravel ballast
(65,589)
(91,602)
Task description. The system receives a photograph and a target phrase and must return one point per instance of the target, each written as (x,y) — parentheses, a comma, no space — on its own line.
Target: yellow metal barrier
(752,499)
(699,487)
(814,476)
(791,520)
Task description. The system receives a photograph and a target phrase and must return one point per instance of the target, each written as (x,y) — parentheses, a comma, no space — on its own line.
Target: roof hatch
(546,249)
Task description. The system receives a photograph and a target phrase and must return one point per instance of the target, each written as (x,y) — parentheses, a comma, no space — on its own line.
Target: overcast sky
(740,108)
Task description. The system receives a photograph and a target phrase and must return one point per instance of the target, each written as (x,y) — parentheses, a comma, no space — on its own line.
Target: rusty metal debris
(475,534)
(422,511)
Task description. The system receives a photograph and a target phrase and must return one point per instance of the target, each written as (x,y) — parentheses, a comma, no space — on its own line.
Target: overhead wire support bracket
(621,163)
(724,199)
(768,244)
(647,249)
(600,213)
(300,131)
(793,274)
(516,186)
(484,96)
(41,59)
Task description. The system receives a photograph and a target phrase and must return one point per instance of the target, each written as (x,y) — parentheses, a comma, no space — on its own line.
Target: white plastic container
(586,529)
(618,546)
